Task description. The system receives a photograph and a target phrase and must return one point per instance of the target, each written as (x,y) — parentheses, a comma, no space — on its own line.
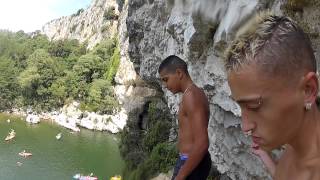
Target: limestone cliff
(198,31)
(93,24)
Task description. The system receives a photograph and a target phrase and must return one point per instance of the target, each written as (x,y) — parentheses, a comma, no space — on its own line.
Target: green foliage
(157,134)
(79,12)
(113,65)
(89,67)
(147,152)
(59,91)
(38,41)
(104,28)
(130,146)
(18,46)
(105,49)
(8,84)
(110,14)
(37,73)
(29,77)
(101,97)
(37,78)
(63,48)
(109,51)
(161,159)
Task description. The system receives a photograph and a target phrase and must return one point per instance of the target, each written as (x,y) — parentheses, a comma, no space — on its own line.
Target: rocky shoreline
(71,117)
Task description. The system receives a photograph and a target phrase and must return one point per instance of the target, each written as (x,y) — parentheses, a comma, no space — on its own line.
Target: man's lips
(256,139)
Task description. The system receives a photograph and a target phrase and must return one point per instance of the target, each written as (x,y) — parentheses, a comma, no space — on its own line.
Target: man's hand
(265,157)
(179,177)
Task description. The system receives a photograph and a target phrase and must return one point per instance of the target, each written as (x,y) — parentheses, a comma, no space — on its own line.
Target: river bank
(71,117)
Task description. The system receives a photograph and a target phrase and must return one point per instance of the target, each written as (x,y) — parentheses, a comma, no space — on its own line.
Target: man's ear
(311,87)
(179,73)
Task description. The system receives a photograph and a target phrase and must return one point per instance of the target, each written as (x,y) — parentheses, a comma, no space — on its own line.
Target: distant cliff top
(91,25)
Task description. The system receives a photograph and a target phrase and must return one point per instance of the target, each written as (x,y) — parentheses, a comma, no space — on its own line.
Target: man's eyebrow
(163,77)
(247,99)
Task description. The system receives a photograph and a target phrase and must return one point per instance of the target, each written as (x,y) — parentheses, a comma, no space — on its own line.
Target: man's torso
(185,136)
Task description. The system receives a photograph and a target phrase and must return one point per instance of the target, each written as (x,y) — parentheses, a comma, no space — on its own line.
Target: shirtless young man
(194,161)
(272,75)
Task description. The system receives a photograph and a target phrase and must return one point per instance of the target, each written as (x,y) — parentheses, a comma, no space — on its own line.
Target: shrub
(101,98)
(104,28)
(113,65)
(159,133)
(147,152)
(162,159)
(73,29)
(79,12)
(110,14)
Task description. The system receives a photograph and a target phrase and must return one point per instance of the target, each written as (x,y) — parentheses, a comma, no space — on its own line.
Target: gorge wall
(92,24)
(198,31)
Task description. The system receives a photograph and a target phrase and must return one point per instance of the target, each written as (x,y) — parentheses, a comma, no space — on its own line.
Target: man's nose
(247,124)
(164,85)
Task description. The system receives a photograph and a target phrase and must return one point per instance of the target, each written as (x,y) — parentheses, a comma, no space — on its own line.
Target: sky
(31,15)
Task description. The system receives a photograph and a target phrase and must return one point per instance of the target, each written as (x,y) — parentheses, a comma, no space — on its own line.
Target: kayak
(116,177)
(81,177)
(25,154)
(58,136)
(11,135)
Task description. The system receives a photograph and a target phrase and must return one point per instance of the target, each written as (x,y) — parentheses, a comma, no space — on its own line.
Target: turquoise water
(83,152)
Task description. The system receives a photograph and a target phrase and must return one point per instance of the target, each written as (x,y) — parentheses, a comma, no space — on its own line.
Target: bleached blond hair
(276,44)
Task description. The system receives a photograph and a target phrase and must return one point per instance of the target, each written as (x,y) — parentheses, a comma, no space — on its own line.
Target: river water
(82,152)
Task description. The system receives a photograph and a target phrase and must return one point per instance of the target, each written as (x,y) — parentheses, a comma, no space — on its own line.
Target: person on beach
(272,74)
(194,160)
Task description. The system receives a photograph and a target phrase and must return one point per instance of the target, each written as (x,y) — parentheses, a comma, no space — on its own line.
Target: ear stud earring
(308,106)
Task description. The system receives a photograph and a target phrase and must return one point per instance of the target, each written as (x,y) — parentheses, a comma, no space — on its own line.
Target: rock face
(92,24)
(198,31)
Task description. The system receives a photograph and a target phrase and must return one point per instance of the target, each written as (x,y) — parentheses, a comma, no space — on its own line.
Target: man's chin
(174,92)
(267,148)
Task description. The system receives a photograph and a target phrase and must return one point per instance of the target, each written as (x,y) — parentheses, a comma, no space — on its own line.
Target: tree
(37,78)
(62,48)
(101,97)
(8,83)
(89,67)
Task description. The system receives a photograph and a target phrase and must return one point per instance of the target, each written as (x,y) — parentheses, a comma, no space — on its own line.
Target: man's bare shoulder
(195,100)
(195,95)
(283,165)
(289,167)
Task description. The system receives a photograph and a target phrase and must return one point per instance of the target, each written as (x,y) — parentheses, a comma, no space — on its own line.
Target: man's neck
(306,144)
(186,85)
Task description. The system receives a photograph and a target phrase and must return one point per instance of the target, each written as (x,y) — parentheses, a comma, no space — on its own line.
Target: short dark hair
(172,63)
(276,44)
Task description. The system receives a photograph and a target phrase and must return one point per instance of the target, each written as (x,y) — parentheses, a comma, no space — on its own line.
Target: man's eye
(253,107)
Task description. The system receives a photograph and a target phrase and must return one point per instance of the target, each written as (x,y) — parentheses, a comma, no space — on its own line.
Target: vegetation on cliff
(147,150)
(44,75)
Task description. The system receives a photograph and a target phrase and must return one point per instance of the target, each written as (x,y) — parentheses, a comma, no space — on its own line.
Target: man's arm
(198,118)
